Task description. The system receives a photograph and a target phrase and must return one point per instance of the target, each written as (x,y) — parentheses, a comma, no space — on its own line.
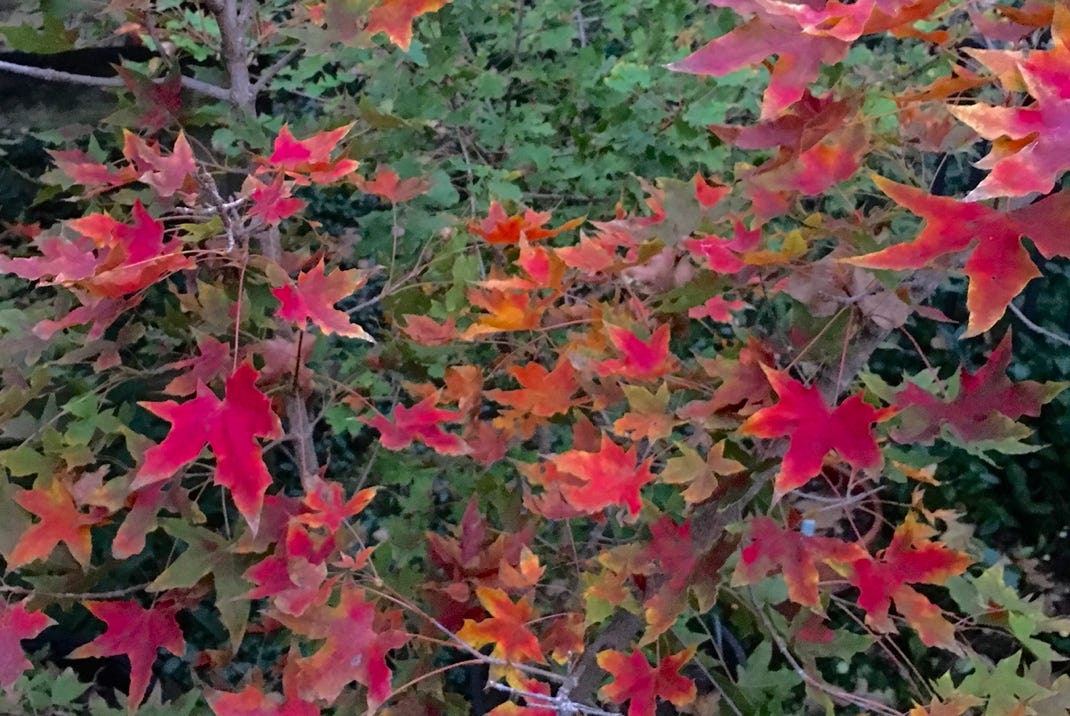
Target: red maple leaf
(422,422)
(815,430)
(395,18)
(388,185)
(354,648)
(809,122)
(252,701)
(94,176)
(643,684)
(61,521)
(722,255)
(158,103)
(999,266)
(1030,148)
(165,174)
(16,624)
(642,359)
(910,558)
(272,202)
(231,427)
(795,555)
(314,296)
(506,628)
(134,632)
(142,519)
(213,360)
(671,548)
(800,59)
(773,186)
(309,160)
(112,259)
(609,477)
(500,228)
(802,36)
(986,401)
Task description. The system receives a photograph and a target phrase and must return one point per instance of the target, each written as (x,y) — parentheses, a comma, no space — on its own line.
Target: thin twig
(50,75)
(80,596)
(269,74)
(835,693)
(1063,340)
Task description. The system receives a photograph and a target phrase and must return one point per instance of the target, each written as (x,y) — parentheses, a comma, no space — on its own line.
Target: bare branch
(269,74)
(50,75)
(79,596)
(1051,336)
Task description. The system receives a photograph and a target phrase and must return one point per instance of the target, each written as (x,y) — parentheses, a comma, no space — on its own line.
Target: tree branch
(50,75)
(232,32)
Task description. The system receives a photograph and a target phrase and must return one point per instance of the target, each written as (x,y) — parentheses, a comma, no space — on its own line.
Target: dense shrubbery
(305,409)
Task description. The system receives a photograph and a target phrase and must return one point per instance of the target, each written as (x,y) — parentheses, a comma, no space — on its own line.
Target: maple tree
(638,457)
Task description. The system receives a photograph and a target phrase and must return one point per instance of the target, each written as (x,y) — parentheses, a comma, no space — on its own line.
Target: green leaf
(66,688)
(1004,688)
(23,461)
(209,553)
(53,37)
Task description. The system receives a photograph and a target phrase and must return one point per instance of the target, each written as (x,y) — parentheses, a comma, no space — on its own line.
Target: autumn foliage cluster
(603,462)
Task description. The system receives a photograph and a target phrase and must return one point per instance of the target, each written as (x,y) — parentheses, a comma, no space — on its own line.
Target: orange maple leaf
(636,680)
(389,186)
(506,628)
(61,521)
(609,477)
(508,311)
(815,430)
(501,228)
(395,18)
(543,393)
(327,506)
